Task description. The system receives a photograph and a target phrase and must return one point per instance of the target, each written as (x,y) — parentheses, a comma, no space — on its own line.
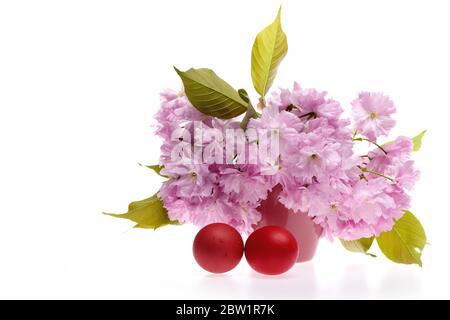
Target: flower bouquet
(223,157)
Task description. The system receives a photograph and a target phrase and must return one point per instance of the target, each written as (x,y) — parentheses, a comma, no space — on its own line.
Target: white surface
(79,83)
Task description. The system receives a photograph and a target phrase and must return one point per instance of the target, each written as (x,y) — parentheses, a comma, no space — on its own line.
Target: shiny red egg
(271,250)
(218,248)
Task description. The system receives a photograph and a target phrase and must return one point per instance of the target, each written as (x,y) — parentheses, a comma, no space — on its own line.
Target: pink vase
(300,225)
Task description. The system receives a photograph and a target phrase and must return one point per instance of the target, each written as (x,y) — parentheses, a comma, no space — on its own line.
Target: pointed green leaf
(269,48)
(361,245)
(405,242)
(157,168)
(148,213)
(210,94)
(417,141)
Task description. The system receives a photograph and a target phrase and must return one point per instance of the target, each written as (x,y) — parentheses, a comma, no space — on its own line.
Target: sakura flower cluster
(349,195)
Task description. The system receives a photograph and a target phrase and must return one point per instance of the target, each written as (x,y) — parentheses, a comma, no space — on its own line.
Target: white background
(79,84)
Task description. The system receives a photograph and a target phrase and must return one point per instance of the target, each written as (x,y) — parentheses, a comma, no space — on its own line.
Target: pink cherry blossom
(244,184)
(372,114)
(349,195)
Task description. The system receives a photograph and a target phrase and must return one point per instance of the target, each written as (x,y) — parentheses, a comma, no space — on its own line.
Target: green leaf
(361,245)
(148,213)
(269,48)
(210,94)
(157,168)
(405,242)
(417,141)
(251,112)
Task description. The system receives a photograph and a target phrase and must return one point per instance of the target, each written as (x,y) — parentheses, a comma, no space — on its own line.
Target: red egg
(218,248)
(271,250)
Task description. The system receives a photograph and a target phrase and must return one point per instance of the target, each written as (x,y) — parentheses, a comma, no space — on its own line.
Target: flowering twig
(376,173)
(251,112)
(291,107)
(376,144)
(309,115)
(354,134)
